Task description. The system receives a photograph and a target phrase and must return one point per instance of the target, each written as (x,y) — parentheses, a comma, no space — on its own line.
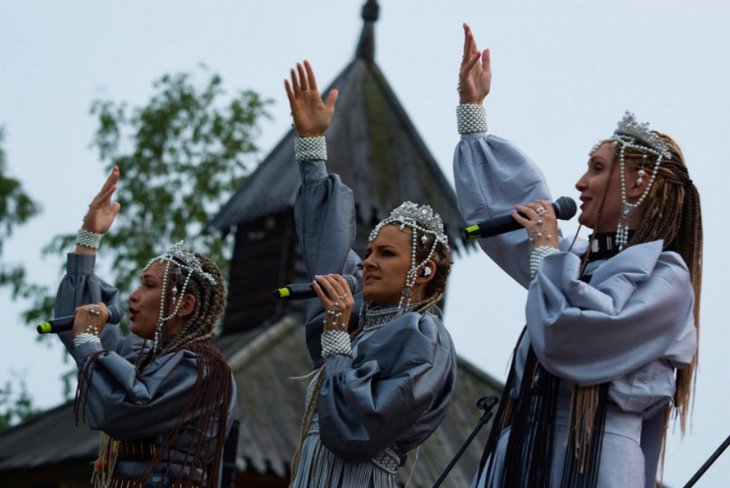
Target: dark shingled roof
(372,145)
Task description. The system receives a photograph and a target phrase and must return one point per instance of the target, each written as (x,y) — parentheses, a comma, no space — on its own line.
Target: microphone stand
(486,403)
(708,463)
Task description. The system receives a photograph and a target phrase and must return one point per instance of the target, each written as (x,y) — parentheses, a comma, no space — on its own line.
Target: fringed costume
(164,417)
(593,373)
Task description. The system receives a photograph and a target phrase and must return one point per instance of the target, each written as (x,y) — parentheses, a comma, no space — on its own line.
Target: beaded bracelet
(471,118)
(336,342)
(88,239)
(85,337)
(537,255)
(310,148)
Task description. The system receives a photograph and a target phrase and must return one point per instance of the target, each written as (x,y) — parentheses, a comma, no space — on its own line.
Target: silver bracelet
(85,337)
(310,148)
(471,118)
(336,342)
(88,239)
(537,255)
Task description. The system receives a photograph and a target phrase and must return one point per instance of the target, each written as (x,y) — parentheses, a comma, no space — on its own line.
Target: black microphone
(299,291)
(65,323)
(565,208)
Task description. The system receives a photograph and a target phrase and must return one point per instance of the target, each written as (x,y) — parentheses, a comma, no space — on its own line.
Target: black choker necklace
(603,245)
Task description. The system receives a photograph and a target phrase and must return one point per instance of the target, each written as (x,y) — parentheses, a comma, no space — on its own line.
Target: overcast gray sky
(564,72)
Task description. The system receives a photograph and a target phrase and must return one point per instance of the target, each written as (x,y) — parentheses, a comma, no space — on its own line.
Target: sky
(564,73)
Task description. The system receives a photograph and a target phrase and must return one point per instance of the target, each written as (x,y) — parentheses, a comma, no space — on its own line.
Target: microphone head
(565,208)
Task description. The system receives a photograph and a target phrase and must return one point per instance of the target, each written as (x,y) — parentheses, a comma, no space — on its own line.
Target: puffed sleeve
(80,286)
(394,391)
(491,175)
(127,404)
(636,309)
(324,213)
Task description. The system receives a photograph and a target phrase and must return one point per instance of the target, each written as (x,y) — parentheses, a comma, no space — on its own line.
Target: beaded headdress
(423,222)
(184,261)
(631,134)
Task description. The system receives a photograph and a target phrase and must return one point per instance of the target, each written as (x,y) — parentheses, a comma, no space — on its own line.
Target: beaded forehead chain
(184,260)
(420,218)
(631,134)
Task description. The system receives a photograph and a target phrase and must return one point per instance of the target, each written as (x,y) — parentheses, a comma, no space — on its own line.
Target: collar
(602,245)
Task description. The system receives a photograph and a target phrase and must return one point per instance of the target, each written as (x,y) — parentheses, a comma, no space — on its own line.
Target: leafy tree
(16,207)
(180,156)
(15,408)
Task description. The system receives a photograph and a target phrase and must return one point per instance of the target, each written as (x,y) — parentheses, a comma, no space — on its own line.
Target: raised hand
(475,73)
(311,115)
(102,212)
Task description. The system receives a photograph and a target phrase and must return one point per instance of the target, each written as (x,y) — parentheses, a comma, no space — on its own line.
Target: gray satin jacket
(124,403)
(393,392)
(631,326)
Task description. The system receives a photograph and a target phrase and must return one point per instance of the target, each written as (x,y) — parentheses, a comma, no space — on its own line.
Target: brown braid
(673,213)
(210,303)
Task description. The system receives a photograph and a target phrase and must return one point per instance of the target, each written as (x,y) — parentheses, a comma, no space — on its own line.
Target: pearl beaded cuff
(310,148)
(85,337)
(537,255)
(88,239)
(336,342)
(471,118)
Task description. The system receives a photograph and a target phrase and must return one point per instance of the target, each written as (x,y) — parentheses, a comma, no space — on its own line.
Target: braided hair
(673,213)
(210,301)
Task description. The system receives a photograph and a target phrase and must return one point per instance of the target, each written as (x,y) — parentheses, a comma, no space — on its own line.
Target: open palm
(311,114)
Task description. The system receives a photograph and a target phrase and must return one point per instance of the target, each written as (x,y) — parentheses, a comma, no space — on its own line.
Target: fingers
(302,78)
(469,42)
(289,92)
(295,83)
(332,99)
(486,60)
(312,81)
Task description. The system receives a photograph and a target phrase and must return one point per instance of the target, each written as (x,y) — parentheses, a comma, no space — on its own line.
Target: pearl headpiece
(634,135)
(421,219)
(184,261)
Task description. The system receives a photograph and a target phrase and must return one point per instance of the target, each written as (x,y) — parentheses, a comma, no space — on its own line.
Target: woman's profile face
(387,261)
(596,181)
(144,306)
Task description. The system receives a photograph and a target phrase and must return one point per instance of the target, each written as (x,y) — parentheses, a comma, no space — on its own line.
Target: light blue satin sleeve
(393,392)
(637,309)
(491,175)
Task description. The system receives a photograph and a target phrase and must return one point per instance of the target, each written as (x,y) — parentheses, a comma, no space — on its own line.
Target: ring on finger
(540,211)
(95,311)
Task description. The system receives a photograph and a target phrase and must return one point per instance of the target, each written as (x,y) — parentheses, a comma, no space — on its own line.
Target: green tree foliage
(16,207)
(15,407)
(180,156)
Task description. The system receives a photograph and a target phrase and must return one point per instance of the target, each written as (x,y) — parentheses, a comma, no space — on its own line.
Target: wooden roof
(372,145)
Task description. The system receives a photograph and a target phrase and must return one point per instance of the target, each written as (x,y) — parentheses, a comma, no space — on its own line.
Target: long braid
(674,214)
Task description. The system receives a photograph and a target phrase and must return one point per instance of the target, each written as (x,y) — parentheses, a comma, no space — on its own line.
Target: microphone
(564,207)
(300,291)
(65,323)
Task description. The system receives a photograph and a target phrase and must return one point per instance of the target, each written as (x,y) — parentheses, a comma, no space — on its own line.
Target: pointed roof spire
(366,45)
